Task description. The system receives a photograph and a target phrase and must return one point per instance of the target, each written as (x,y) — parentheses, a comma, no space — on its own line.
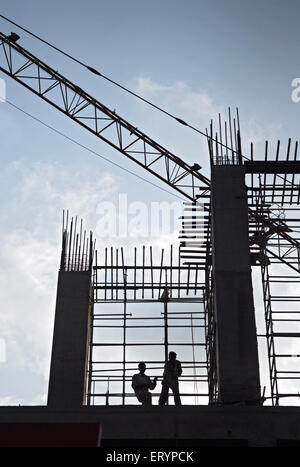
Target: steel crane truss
(70,99)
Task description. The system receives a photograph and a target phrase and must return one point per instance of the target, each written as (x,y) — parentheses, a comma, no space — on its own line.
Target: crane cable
(82,146)
(96,72)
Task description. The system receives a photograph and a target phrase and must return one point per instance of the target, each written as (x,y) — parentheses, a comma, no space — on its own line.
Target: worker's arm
(153,383)
(179,369)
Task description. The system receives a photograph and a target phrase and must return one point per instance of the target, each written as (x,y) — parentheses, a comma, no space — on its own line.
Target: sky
(192,58)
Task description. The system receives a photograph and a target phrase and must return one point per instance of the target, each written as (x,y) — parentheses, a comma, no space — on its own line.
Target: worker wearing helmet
(141,384)
(171,374)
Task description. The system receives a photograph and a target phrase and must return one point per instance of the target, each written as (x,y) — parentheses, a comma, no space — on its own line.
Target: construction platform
(177,426)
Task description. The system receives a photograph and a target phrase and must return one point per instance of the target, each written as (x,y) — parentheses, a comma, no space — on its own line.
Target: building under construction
(115,304)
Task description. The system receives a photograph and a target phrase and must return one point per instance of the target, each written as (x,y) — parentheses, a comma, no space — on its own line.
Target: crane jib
(103,122)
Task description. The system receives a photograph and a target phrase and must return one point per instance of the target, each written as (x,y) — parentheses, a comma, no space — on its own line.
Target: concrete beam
(236,342)
(67,384)
(272,167)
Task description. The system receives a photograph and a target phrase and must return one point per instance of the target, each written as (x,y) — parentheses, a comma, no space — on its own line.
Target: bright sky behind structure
(194,58)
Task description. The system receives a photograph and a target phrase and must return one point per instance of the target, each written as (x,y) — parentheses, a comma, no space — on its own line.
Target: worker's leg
(175,389)
(144,396)
(164,394)
(148,398)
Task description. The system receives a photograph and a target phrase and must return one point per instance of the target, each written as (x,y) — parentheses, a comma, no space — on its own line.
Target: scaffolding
(153,303)
(156,305)
(273,192)
(280,268)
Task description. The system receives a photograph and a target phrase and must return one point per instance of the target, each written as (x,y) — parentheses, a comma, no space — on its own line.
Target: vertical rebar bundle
(77,246)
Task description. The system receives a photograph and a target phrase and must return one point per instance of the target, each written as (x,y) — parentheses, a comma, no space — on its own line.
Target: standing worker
(171,374)
(141,384)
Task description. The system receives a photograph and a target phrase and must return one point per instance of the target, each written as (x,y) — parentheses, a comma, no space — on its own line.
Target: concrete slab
(183,425)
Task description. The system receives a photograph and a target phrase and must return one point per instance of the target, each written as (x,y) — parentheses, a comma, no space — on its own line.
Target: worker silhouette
(171,374)
(141,384)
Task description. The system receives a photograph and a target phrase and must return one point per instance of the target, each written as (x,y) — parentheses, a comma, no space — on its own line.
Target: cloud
(179,96)
(58,188)
(13,400)
(27,276)
(29,262)
(9,400)
(198,107)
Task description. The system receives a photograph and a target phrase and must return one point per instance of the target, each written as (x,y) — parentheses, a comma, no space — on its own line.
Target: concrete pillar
(236,341)
(67,384)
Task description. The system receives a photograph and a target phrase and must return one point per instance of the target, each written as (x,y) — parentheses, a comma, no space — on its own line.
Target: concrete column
(236,341)
(67,384)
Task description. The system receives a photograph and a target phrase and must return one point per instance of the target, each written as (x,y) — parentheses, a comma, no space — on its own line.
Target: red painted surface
(50,434)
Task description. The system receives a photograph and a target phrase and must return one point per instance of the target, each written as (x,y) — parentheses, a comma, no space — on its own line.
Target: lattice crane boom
(88,112)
